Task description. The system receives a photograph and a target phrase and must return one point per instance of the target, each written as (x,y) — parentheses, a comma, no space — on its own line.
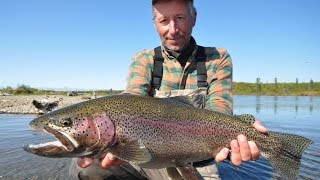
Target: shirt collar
(183,56)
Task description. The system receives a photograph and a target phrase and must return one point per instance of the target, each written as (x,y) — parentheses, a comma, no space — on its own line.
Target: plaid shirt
(219,72)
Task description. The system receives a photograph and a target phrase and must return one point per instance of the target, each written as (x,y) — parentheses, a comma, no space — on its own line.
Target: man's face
(174,23)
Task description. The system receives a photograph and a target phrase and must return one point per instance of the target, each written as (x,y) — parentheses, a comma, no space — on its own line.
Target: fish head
(80,130)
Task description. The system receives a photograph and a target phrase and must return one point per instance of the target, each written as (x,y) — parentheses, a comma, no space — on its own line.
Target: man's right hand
(105,162)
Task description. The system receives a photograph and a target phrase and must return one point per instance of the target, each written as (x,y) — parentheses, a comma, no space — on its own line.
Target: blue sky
(89,44)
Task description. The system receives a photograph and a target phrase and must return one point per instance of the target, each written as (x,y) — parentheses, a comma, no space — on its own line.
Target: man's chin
(174,47)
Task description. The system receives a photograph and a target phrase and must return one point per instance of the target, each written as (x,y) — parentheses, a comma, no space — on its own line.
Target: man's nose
(173,27)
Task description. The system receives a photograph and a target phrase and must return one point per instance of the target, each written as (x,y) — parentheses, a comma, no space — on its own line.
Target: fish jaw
(49,149)
(64,146)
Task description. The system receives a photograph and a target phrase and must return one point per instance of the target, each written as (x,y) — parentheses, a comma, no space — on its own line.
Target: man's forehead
(167,12)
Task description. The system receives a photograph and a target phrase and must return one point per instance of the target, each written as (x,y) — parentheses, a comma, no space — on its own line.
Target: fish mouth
(64,146)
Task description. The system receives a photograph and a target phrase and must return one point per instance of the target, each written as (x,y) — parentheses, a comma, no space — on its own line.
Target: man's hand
(105,162)
(242,149)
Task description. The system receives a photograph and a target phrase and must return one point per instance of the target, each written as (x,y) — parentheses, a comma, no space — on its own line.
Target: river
(291,114)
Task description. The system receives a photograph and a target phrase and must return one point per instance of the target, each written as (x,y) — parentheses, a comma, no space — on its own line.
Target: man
(173,70)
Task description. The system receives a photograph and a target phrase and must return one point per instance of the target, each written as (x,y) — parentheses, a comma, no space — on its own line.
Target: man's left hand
(241,148)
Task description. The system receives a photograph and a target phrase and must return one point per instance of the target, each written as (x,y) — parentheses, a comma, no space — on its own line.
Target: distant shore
(22,104)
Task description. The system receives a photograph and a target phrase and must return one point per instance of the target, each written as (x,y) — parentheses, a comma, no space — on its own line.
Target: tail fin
(287,162)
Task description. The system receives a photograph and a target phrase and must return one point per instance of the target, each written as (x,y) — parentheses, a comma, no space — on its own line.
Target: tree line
(239,88)
(276,88)
(27,90)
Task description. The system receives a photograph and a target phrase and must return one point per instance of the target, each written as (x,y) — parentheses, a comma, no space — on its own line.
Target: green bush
(23,89)
(8,90)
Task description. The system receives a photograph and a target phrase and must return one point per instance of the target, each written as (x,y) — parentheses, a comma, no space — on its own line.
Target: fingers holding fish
(235,153)
(245,152)
(258,125)
(241,150)
(254,150)
(105,161)
(248,150)
(222,155)
(85,161)
(109,160)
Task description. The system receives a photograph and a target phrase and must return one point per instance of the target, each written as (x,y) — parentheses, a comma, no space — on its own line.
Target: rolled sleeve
(220,96)
(139,74)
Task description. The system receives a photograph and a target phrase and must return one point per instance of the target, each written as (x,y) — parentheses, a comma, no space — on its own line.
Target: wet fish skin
(157,133)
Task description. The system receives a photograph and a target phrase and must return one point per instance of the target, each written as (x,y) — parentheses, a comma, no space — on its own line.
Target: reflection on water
(258,104)
(287,103)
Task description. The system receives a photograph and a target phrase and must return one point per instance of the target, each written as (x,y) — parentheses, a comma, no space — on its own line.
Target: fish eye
(65,122)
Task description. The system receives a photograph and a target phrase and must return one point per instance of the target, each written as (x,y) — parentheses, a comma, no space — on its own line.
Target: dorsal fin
(195,100)
(185,100)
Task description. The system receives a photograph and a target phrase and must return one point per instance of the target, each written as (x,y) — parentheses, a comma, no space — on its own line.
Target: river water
(291,114)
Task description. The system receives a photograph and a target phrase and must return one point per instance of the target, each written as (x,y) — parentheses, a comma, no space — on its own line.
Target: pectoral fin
(133,151)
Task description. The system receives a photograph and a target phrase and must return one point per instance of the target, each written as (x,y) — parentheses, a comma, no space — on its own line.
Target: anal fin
(188,172)
(174,173)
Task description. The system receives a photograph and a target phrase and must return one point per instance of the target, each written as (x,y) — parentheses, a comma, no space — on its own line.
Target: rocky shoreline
(16,104)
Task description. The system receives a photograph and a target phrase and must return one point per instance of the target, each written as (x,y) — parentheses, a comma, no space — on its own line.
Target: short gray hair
(192,9)
(156,1)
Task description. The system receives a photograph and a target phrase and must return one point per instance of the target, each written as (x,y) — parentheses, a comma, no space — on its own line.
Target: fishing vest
(158,69)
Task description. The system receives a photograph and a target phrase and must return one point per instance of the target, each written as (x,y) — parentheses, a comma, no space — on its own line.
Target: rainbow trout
(158,133)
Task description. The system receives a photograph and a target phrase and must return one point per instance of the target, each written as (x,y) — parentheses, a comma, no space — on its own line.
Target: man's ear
(195,18)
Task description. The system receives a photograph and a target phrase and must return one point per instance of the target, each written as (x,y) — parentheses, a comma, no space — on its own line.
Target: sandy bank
(23,104)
